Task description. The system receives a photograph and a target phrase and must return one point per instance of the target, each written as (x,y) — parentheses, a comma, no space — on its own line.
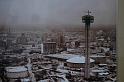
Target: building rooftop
(62,56)
(78,59)
(16,69)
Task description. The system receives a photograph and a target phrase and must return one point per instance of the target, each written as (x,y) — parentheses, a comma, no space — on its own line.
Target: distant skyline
(56,12)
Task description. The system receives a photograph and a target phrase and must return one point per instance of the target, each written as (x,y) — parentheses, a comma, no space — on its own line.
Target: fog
(56,12)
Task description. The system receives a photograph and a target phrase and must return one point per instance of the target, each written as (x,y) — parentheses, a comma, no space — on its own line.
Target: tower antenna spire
(88,12)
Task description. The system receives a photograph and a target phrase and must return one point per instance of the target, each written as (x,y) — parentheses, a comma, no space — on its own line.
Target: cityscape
(58,41)
(58,56)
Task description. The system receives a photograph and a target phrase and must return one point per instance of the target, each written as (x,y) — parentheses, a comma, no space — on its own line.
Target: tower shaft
(87,19)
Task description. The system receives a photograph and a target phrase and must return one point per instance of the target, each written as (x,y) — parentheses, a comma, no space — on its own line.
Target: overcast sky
(47,12)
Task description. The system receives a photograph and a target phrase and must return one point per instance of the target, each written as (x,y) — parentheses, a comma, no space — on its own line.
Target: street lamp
(87,19)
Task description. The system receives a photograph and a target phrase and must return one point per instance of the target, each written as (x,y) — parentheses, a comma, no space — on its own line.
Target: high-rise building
(92,36)
(49,47)
(22,39)
(60,40)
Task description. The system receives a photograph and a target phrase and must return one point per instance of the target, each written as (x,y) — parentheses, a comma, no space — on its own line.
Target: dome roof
(78,59)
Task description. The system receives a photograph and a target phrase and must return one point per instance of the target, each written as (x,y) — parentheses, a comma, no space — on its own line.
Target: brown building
(100,59)
(49,47)
(60,40)
(22,39)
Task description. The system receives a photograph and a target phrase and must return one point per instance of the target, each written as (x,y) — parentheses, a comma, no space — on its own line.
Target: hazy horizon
(55,12)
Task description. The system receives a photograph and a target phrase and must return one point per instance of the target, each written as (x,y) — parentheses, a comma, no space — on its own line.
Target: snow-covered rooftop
(25,80)
(78,59)
(97,56)
(46,80)
(106,73)
(62,56)
(16,69)
(97,70)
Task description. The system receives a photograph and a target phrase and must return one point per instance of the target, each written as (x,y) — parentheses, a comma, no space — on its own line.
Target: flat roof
(16,69)
(97,56)
(106,73)
(97,70)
